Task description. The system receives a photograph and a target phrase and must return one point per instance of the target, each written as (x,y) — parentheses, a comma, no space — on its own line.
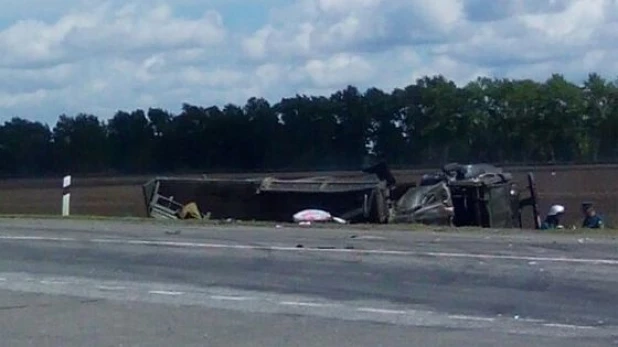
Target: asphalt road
(76,283)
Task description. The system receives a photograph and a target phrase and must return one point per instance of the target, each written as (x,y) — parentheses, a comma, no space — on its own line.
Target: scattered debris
(190,211)
(340,220)
(312,215)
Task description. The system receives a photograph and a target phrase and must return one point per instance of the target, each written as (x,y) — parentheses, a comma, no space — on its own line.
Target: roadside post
(66,195)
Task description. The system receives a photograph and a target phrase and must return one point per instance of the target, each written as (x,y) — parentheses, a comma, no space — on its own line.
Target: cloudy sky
(70,56)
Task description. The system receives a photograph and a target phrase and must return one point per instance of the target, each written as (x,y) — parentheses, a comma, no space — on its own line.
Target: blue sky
(71,56)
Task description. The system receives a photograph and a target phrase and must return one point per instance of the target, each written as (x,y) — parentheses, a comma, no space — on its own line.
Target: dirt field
(122,196)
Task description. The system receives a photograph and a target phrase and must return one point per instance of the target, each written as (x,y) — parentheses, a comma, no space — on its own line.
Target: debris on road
(312,215)
(190,211)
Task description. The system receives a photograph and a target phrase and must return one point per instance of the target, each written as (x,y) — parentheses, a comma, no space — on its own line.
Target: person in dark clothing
(552,221)
(591,219)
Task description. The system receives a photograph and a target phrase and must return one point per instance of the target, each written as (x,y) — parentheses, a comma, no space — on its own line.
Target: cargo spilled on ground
(122,196)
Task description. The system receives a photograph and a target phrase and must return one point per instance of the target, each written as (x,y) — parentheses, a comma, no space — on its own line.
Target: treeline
(427,123)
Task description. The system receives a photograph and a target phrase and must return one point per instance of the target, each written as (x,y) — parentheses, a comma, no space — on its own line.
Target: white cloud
(338,70)
(86,56)
(106,31)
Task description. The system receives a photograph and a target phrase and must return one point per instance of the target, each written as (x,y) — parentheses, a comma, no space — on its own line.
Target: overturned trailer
(360,199)
(458,195)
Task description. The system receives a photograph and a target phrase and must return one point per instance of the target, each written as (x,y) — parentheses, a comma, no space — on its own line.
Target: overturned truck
(458,195)
(480,195)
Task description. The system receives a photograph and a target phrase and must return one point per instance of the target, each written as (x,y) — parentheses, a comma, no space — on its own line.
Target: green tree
(80,144)
(435,111)
(25,148)
(162,129)
(235,129)
(431,121)
(310,128)
(482,113)
(266,133)
(560,119)
(599,133)
(189,139)
(387,133)
(353,127)
(131,140)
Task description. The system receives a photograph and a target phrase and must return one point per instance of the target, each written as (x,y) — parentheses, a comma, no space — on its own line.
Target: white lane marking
(52,282)
(297,303)
(485,319)
(531,320)
(233,298)
(369,237)
(380,310)
(321,250)
(38,238)
(569,326)
(164,292)
(110,288)
(2,279)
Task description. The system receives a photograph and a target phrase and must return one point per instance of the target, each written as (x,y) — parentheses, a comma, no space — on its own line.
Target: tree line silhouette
(430,122)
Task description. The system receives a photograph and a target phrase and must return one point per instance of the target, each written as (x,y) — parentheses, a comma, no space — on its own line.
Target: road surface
(101,283)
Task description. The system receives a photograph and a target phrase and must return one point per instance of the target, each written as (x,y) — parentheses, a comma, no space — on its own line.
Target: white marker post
(66,195)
